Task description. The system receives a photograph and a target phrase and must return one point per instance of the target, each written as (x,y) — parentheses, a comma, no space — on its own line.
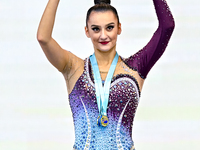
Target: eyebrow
(112,23)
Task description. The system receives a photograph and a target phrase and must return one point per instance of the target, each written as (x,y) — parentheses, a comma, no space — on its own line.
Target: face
(103,29)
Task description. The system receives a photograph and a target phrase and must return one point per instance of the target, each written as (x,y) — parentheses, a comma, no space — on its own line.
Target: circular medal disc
(104,121)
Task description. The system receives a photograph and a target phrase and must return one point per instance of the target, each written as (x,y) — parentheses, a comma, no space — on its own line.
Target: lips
(104,43)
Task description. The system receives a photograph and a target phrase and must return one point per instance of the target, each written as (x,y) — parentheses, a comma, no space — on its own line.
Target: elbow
(42,39)
(171,25)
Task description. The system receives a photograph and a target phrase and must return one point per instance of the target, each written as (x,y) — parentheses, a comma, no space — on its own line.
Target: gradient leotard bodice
(124,93)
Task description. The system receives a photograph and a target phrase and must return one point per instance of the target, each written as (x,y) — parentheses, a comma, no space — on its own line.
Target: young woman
(104,89)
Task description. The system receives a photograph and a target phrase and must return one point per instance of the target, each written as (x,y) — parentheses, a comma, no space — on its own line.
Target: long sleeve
(144,59)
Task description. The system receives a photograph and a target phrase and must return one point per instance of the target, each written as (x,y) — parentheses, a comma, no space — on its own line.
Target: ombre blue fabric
(123,101)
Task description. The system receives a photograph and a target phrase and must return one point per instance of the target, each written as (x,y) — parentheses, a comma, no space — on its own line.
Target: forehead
(100,18)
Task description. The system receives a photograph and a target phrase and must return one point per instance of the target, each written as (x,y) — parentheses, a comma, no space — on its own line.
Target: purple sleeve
(144,59)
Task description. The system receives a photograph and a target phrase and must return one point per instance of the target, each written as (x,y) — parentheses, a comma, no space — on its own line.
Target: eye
(95,29)
(109,28)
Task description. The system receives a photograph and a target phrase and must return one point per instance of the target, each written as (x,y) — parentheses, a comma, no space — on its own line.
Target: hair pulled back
(101,6)
(101,1)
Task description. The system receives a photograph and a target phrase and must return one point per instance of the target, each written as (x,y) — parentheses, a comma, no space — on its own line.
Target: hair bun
(101,1)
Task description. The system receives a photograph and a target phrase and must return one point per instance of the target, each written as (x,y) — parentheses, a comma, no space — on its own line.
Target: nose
(103,35)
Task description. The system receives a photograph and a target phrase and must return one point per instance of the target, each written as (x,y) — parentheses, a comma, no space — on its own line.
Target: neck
(104,59)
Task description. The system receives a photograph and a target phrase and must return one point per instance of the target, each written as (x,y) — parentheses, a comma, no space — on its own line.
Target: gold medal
(102,121)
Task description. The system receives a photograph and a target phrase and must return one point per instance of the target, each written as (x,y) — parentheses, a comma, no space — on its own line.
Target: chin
(105,49)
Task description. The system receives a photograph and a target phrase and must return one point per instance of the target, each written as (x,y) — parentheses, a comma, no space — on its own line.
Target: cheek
(95,38)
(114,36)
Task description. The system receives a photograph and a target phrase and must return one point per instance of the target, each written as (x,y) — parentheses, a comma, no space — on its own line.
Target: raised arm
(144,60)
(55,54)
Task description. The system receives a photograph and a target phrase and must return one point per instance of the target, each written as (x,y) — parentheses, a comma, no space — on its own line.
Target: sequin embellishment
(123,102)
(119,145)
(87,145)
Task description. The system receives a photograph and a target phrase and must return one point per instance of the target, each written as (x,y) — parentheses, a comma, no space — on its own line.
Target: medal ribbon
(102,92)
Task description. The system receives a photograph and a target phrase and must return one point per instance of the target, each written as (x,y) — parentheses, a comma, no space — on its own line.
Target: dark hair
(101,6)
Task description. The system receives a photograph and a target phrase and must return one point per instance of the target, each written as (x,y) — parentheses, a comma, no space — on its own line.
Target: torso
(123,101)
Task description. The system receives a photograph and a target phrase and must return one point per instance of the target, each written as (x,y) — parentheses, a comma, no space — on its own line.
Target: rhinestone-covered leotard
(124,94)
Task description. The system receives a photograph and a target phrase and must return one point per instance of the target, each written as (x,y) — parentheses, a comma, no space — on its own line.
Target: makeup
(104,43)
